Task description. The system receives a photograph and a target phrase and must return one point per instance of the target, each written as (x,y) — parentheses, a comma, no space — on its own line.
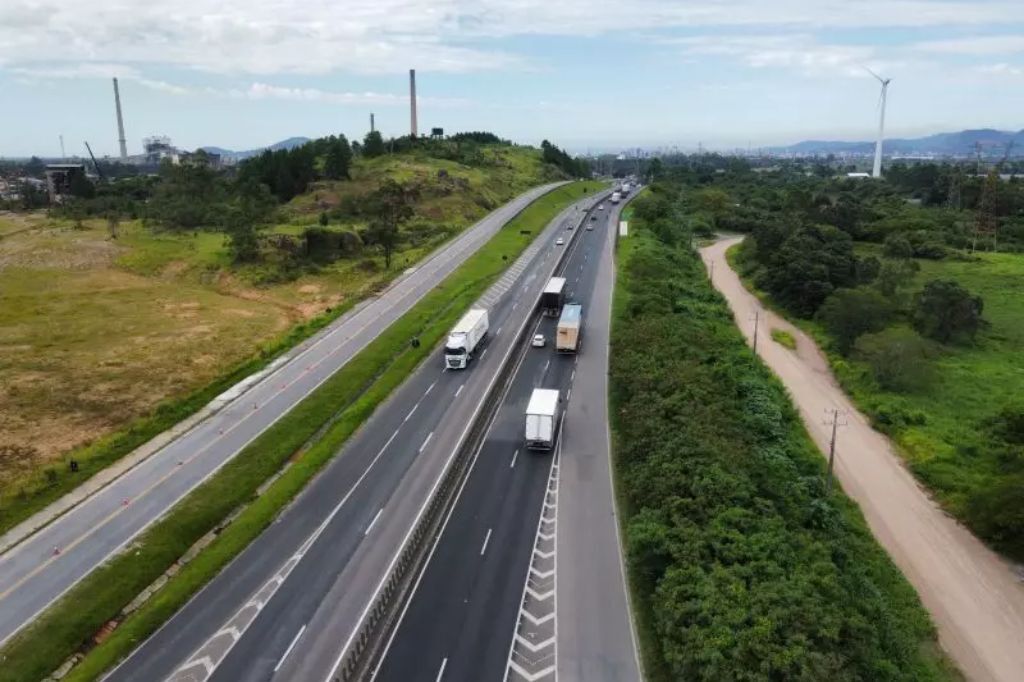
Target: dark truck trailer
(553,297)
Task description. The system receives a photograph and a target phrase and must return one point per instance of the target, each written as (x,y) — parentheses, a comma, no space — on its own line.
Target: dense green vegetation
(891,276)
(341,404)
(742,566)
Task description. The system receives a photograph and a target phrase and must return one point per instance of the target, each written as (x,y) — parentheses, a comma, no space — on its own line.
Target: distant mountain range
(229,154)
(993,143)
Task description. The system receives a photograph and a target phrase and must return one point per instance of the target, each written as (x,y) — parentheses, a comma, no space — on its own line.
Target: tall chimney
(371,123)
(120,122)
(412,99)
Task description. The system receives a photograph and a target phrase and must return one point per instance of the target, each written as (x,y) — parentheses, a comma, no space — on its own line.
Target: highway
(41,568)
(303,586)
(504,596)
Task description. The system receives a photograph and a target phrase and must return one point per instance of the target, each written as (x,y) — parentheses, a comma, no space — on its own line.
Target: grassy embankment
(105,343)
(344,401)
(944,429)
(741,567)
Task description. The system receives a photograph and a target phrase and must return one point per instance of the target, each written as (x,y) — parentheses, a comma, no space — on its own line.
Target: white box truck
(616,197)
(542,415)
(553,296)
(463,340)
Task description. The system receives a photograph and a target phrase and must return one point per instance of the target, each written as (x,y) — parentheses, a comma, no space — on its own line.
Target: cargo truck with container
(570,329)
(465,338)
(616,197)
(553,296)
(542,416)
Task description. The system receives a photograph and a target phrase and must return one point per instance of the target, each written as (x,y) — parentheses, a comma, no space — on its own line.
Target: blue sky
(587,75)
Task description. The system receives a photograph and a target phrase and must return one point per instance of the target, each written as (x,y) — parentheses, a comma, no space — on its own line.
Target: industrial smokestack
(120,122)
(371,123)
(412,99)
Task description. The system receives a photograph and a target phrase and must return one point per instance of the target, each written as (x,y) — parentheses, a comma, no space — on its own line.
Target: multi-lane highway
(296,596)
(504,596)
(38,570)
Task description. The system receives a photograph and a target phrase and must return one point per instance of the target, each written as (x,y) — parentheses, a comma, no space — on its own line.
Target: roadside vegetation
(911,286)
(341,405)
(129,307)
(742,566)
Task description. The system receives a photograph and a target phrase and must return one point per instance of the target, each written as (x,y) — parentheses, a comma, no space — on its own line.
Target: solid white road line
(427,440)
(375,517)
(486,540)
(290,647)
(514,455)
(459,390)
(440,673)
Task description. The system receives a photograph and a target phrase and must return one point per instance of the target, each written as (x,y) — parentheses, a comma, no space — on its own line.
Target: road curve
(973,596)
(37,571)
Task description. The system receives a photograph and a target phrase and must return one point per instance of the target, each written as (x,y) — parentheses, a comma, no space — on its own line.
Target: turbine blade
(877,77)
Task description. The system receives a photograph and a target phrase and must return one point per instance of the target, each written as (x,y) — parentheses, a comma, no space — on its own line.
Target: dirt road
(974,596)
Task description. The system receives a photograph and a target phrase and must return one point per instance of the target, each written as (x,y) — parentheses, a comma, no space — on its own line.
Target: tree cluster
(576,168)
(747,568)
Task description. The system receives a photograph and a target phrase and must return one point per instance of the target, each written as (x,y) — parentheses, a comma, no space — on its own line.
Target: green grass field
(950,450)
(344,401)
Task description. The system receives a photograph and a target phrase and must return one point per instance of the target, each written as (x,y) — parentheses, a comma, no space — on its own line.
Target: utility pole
(756,318)
(835,419)
(711,276)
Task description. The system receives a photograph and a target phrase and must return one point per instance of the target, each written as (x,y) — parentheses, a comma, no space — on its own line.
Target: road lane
(363,477)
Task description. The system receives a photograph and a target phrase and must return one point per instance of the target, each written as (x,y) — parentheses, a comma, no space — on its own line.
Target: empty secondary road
(972,594)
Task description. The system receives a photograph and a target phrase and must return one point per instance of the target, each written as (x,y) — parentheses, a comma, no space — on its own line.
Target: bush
(848,313)
(898,359)
(898,246)
(946,311)
(997,514)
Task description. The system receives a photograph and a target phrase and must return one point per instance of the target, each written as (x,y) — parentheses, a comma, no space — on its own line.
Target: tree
(713,201)
(113,222)
(373,145)
(241,219)
(898,246)
(324,219)
(392,205)
(895,275)
(811,263)
(946,311)
(868,269)
(898,357)
(849,313)
(338,158)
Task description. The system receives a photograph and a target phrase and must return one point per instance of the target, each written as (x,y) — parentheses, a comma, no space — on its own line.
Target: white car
(600,207)
(590,226)
(538,341)
(559,242)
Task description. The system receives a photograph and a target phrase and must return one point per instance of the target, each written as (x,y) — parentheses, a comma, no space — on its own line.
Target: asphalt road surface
(494,556)
(296,594)
(37,571)
(975,599)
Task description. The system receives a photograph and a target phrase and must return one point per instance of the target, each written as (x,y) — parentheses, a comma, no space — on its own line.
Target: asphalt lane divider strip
(359,654)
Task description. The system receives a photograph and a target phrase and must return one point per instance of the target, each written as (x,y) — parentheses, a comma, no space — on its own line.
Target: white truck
(625,189)
(542,415)
(467,335)
(616,197)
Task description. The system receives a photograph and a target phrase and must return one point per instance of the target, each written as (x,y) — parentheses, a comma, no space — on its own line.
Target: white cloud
(1002,69)
(259,91)
(387,36)
(979,45)
(97,70)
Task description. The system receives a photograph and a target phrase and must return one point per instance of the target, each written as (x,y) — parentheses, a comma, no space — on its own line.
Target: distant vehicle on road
(625,189)
(570,328)
(553,296)
(538,341)
(467,335)
(559,242)
(590,227)
(616,197)
(600,207)
(542,419)
(593,217)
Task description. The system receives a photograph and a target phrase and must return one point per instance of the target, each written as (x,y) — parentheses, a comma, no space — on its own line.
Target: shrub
(848,313)
(898,246)
(946,311)
(997,514)
(898,358)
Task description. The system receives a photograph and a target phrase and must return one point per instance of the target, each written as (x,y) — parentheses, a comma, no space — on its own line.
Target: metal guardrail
(366,646)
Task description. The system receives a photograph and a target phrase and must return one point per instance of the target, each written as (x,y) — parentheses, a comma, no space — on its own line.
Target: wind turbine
(876,171)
